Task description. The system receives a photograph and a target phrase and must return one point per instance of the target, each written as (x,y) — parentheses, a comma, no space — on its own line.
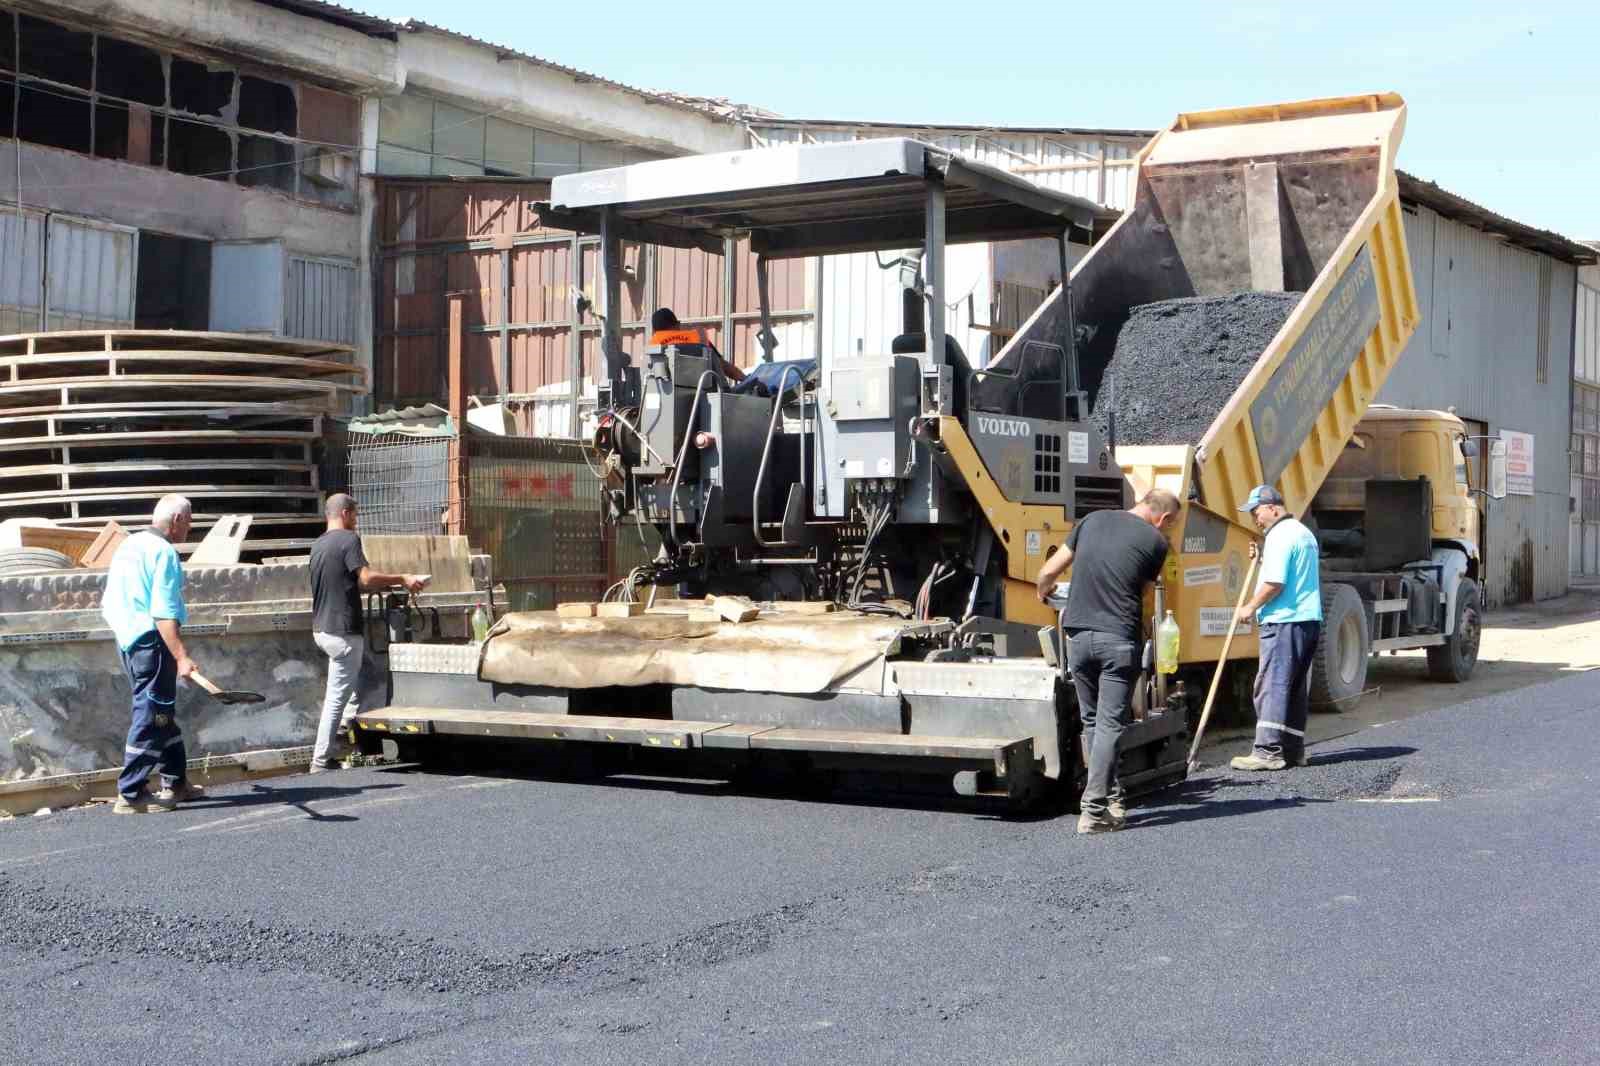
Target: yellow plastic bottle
(1167,639)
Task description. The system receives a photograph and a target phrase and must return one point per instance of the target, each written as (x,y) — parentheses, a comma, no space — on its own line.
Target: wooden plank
(736,609)
(72,543)
(134,340)
(575,610)
(120,492)
(448,559)
(114,361)
(110,440)
(105,545)
(275,410)
(618,610)
(164,466)
(221,544)
(186,381)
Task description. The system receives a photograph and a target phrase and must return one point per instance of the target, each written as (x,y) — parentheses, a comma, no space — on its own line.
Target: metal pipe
(683,453)
(766,453)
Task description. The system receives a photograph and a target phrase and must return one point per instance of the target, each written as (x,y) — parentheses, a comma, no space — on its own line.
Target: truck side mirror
(1497,470)
(1469,449)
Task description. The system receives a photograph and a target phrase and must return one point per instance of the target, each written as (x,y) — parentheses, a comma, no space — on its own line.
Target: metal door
(89,274)
(247,287)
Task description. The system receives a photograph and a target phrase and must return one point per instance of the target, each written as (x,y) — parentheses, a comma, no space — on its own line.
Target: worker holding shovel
(1288,606)
(143,605)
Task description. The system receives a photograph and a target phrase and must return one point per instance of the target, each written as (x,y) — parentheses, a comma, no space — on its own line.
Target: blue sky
(1504,97)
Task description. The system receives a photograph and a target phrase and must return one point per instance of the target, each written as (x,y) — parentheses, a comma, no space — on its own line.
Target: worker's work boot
(1117,811)
(146,802)
(1257,762)
(183,792)
(1098,823)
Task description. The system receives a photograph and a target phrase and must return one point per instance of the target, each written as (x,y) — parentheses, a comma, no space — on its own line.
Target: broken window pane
(8,41)
(130,71)
(265,163)
(267,105)
(111,131)
(459,135)
(55,52)
(54,117)
(200,91)
(199,149)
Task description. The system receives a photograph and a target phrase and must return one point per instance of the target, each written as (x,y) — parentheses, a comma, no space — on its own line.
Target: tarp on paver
(788,653)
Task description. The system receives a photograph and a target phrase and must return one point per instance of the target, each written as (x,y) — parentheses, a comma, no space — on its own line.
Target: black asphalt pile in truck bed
(1174,363)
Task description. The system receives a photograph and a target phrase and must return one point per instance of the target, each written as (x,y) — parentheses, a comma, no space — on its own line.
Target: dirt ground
(1522,645)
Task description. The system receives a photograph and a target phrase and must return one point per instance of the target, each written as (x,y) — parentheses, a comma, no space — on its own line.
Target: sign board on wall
(1519,462)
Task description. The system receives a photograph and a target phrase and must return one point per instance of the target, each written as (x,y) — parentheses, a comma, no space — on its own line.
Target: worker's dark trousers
(153,737)
(1105,667)
(1283,688)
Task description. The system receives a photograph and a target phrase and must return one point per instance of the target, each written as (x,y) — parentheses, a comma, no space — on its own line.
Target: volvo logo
(1004,427)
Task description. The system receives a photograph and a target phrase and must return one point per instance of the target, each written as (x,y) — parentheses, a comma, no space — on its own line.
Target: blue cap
(1262,495)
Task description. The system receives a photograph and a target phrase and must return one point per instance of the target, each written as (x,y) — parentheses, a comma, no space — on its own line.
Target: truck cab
(1398,525)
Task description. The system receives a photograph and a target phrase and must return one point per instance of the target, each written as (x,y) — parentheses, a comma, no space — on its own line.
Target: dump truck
(885,513)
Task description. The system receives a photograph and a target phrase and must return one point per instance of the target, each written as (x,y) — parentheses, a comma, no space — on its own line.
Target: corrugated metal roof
(371,25)
(664,99)
(939,127)
(1462,210)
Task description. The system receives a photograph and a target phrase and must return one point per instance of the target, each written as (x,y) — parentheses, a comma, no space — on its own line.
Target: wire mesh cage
(402,483)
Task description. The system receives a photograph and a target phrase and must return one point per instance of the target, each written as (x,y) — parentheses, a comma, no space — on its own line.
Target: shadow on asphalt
(298,797)
(1198,799)
(1365,754)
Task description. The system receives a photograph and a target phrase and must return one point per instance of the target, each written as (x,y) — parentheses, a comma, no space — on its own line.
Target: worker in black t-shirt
(339,574)
(1113,556)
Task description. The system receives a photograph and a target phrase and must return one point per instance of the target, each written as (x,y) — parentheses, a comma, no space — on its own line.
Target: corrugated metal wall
(1585,531)
(1487,315)
(320,300)
(21,270)
(1099,168)
(90,282)
(524,338)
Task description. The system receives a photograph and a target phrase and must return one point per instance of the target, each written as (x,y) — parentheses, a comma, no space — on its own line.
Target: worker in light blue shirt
(143,605)
(1287,605)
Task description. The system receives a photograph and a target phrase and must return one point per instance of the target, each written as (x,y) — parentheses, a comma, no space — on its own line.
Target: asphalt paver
(1422,892)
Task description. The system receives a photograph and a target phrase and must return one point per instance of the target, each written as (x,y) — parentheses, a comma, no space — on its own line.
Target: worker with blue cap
(1287,606)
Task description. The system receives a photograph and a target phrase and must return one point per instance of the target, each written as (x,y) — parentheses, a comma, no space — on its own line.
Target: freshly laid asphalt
(1424,892)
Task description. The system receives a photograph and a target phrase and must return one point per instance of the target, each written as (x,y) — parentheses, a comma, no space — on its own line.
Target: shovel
(222,695)
(1222,661)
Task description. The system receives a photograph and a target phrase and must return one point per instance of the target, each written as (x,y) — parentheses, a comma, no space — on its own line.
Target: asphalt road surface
(1424,892)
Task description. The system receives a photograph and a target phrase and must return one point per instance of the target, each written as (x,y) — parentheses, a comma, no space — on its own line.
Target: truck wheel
(1454,660)
(1339,670)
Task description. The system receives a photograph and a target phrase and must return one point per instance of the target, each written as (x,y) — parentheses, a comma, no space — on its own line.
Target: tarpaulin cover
(774,653)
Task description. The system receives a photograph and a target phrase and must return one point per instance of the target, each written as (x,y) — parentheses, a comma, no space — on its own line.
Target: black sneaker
(146,802)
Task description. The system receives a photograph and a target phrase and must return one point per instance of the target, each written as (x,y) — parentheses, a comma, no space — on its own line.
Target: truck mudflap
(1004,766)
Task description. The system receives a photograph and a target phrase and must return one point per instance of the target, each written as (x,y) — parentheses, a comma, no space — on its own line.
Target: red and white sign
(1519,462)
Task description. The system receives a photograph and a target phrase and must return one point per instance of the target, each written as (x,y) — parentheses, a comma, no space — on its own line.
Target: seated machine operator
(666,329)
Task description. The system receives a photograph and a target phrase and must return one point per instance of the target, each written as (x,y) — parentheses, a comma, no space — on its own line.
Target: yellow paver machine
(887,511)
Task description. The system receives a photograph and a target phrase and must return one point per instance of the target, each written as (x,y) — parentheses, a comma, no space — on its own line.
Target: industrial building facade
(290,167)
